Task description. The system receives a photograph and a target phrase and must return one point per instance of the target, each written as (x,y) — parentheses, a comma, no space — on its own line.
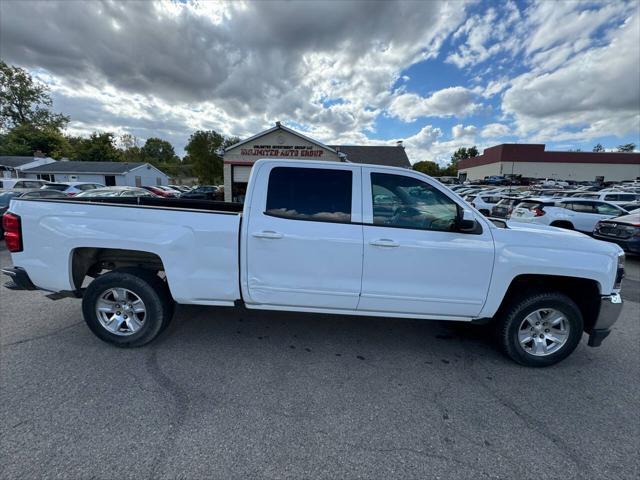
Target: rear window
(61,187)
(310,194)
(85,186)
(528,205)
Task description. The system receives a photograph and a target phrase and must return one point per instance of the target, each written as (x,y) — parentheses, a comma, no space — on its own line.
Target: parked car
(619,198)
(20,185)
(309,241)
(496,180)
(117,192)
(180,188)
(485,202)
(161,192)
(623,230)
(203,192)
(570,213)
(71,188)
(505,206)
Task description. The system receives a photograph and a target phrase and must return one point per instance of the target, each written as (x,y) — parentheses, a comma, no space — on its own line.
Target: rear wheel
(127,307)
(541,330)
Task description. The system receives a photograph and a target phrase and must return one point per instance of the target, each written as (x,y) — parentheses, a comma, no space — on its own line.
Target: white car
(20,185)
(324,237)
(570,213)
(617,197)
(484,202)
(72,188)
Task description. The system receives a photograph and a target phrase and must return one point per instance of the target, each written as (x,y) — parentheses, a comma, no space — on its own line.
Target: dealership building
(532,161)
(284,143)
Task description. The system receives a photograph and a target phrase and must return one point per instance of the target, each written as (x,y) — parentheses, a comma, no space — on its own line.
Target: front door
(415,261)
(304,238)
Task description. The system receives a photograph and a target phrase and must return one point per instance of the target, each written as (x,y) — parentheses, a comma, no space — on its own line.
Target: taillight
(537,212)
(71,194)
(12,232)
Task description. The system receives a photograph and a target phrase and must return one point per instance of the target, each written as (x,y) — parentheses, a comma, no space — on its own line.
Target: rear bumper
(19,279)
(610,308)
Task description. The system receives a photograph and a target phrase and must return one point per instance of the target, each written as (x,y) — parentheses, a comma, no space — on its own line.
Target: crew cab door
(415,260)
(304,236)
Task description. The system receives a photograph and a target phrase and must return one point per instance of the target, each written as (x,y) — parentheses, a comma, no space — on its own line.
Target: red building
(532,161)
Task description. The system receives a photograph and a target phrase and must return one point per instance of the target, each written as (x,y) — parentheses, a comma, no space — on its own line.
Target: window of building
(110,180)
(310,194)
(138,181)
(400,201)
(45,176)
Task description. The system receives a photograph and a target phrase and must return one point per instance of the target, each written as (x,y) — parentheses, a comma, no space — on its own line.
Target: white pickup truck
(319,237)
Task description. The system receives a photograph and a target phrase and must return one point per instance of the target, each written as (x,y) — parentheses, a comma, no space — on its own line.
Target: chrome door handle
(268,234)
(384,242)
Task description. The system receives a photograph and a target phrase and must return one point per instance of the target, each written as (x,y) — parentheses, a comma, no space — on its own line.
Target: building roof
(109,168)
(279,126)
(523,152)
(393,156)
(15,161)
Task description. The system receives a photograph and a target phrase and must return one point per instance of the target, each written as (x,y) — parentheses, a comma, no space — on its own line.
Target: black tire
(513,316)
(150,288)
(561,224)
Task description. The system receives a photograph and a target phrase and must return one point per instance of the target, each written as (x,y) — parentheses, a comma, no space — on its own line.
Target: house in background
(12,166)
(133,174)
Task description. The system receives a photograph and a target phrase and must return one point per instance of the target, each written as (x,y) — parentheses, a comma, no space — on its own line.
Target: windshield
(55,186)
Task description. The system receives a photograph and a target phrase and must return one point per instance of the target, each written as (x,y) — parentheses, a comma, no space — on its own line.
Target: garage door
(241,174)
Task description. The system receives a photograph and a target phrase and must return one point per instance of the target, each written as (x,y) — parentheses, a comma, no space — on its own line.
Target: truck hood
(544,236)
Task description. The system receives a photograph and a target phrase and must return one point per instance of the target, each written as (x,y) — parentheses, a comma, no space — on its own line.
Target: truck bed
(155,202)
(195,241)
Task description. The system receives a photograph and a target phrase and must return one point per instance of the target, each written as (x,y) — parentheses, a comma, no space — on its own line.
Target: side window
(611,198)
(400,201)
(604,209)
(583,207)
(310,194)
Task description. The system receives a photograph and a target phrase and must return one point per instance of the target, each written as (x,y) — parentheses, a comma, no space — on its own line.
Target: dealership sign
(282,151)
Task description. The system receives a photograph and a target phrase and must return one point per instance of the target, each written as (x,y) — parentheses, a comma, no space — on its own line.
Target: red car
(162,191)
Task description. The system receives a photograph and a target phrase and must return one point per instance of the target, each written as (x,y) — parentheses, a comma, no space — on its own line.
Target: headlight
(619,272)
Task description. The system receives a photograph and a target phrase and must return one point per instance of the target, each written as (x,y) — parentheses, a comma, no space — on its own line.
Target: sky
(436,75)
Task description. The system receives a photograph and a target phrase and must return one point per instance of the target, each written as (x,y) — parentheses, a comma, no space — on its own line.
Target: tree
(26,140)
(427,167)
(24,101)
(598,148)
(99,147)
(627,147)
(157,151)
(129,149)
(201,152)
(463,152)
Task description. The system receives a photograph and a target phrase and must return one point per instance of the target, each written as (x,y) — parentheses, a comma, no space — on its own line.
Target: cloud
(495,130)
(594,94)
(452,101)
(244,64)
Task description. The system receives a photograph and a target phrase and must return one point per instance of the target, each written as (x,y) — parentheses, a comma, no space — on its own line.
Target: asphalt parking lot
(238,394)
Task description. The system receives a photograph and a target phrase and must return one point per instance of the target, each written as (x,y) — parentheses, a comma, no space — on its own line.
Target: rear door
(304,236)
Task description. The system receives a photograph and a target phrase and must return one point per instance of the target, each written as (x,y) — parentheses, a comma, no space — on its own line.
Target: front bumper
(610,308)
(631,245)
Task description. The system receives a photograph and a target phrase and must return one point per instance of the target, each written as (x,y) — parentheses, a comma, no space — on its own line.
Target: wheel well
(90,262)
(584,292)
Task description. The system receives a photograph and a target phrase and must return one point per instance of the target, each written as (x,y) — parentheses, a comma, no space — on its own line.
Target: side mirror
(466,221)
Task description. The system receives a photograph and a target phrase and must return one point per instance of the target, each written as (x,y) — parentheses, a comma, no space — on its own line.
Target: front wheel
(541,330)
(127,307)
